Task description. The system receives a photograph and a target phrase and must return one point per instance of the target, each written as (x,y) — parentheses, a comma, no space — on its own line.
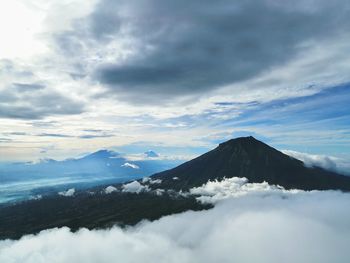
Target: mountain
(255,160)
(242,157)
(106,163)
(102,163)
(21,181)
(151,154)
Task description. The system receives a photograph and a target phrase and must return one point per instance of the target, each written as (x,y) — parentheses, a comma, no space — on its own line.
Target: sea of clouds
(253,223)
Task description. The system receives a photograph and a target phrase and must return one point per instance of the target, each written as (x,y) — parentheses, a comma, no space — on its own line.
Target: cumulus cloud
(305,228)
(110,189)
(69,192)
(214,191)
(134,187)
(335,164)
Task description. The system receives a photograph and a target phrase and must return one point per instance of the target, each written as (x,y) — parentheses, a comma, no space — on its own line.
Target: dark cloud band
(184,48)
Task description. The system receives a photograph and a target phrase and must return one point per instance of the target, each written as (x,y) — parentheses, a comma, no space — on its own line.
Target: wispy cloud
(93,136)
(54,135)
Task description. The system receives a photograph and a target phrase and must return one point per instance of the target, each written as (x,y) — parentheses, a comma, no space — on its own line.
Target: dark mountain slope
(250,158)
(89,211)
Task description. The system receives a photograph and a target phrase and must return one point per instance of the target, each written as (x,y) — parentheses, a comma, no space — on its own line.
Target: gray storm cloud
(31,99)
(181,48)
(303,227)
(37,105)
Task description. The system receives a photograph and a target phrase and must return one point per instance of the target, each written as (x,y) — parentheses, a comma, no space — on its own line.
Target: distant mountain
(100,163)
(151,154)
(101,154)
(255,160)
(22,181)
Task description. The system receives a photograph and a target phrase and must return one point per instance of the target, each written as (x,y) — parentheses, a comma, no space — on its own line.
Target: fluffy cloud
(69,192)
(214,191)
(305,227)
(110,189)
(134,187)
(331,163)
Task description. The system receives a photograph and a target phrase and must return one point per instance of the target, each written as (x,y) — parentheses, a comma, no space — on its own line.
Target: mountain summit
(151,154)
(255,160)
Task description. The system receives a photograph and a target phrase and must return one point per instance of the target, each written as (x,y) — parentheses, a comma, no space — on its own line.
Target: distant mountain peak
(102,154)
(151,154)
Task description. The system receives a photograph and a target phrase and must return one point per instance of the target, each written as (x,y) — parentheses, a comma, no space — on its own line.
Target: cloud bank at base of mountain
(302,227)
(331,163)
(215,191)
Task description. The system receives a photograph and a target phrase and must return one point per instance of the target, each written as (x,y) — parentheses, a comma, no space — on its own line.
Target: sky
(176,77)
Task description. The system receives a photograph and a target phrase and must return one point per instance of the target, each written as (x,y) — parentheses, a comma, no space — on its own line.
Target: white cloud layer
(304,228)
(214,191)
(331,163)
